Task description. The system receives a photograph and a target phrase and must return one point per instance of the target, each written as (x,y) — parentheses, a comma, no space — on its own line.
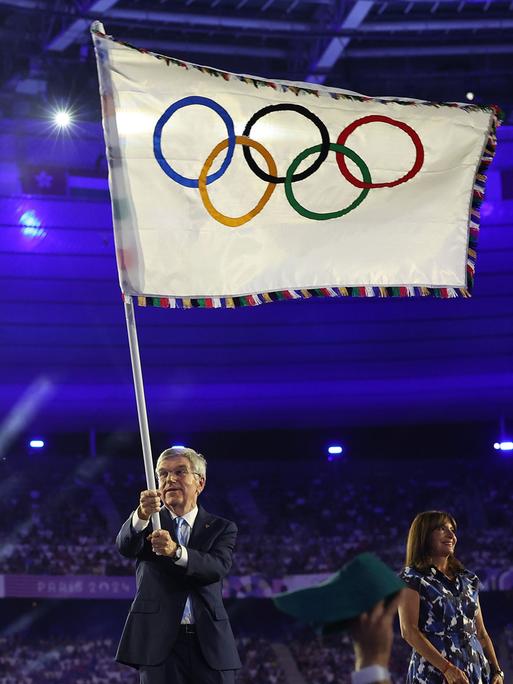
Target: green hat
(353,590)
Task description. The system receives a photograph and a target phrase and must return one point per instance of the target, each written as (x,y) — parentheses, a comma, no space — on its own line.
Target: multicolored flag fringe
(230,190)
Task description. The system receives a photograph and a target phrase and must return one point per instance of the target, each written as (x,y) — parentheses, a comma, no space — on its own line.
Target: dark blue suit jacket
(152,624)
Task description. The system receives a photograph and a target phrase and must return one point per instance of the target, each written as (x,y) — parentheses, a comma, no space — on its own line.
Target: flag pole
(111,135)
(140,400)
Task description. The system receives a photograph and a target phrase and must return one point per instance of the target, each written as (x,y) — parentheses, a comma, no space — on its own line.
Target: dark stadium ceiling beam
(432,51)
(210,20)
(436,25)
(23,4)
(196,21)
(336,46)
(176,47)
(173,47)
(485,4)
(68,36)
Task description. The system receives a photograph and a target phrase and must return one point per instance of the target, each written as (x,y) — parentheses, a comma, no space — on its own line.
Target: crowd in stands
(321,660)
(82,661)
(289,522)
(63,661)
(328,659)
(324,660)
(259,662)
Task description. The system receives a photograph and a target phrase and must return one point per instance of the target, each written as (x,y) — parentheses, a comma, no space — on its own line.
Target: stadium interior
(416,391)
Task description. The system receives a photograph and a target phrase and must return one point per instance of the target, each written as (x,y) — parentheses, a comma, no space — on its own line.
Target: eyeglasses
(178,473)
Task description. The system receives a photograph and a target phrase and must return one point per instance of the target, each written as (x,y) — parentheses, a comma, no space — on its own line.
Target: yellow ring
(202,182)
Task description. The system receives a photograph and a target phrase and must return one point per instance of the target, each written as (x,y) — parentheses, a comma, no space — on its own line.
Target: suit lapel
(200,529)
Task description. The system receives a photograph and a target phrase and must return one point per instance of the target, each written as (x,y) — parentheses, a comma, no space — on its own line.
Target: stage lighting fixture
(36,443)
(470,95)
(334,453)
(62,118)
(31,225)
(503,446)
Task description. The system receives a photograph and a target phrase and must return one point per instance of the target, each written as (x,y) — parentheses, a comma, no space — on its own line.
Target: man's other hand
(161,543)
(373,634)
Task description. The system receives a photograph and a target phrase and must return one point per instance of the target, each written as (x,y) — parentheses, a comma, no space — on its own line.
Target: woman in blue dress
(439,612)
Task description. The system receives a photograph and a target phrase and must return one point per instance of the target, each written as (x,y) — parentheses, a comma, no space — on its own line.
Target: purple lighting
(31,225)
(487,209)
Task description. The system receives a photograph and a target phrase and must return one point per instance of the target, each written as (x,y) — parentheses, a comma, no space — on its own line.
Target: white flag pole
(111,133)
(140,400)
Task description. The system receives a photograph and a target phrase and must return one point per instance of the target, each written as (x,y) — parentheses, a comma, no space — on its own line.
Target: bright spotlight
(503,446)
(178,446)
(31,225)
(62,119)
(36,443)
(335,453)
(470,95)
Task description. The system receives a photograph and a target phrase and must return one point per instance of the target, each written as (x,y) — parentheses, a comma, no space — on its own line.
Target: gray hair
(198,461)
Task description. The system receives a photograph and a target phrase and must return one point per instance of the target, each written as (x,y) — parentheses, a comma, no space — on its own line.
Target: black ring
(325,145)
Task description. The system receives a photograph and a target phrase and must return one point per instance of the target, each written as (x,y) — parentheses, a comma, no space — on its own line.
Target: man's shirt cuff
(370,675)
(137,524)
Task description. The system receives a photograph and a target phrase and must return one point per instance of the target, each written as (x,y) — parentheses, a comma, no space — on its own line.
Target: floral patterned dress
(447,619)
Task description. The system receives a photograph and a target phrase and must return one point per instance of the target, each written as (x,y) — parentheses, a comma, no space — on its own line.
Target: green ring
(366,177)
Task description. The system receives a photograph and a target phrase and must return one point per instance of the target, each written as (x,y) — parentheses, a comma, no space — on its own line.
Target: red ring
(344,135)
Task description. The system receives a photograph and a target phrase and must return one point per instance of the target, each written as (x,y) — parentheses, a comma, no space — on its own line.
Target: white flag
(233,190)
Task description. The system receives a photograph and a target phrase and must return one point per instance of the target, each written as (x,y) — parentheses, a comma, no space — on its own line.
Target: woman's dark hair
(418,553)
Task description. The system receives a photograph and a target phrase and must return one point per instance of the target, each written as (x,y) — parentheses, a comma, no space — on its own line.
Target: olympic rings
(271,177)
(157,135)
(202,182)
(333,214)
(323,148)
(419,151)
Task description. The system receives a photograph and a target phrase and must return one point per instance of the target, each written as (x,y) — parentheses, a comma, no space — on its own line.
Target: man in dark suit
(177,630)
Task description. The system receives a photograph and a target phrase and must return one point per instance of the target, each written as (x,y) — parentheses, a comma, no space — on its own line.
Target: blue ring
(157,142)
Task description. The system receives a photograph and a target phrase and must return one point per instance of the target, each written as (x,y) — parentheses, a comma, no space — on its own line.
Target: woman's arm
(409,606)
(487,645)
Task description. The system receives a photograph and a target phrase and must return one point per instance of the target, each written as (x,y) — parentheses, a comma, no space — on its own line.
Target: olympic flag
(233,190)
